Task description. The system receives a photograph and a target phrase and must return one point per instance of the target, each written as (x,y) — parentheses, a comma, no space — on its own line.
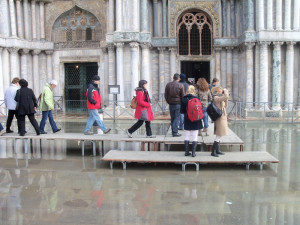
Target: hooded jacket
(93,97)
(47,101)
(143,103)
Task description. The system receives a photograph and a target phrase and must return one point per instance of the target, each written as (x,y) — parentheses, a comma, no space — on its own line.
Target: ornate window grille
(194,34)
(69,34)
(88,34)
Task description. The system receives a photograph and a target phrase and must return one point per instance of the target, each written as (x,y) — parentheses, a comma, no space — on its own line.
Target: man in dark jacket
(185,87)
(93,105)
(174,92)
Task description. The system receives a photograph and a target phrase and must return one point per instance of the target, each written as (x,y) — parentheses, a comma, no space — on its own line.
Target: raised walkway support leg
(184,164)
(82,147)
(26,146)
(94,148)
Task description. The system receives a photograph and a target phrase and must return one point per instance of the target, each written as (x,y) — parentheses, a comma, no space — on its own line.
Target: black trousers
(32,121)
(10,117)
(138,124)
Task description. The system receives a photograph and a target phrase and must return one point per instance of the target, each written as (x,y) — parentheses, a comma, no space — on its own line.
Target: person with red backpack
(191,107)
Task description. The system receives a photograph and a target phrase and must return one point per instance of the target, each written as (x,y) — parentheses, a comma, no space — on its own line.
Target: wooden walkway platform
(246,158)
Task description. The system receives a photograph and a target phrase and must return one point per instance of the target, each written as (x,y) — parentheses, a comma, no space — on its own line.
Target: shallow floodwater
(55,185)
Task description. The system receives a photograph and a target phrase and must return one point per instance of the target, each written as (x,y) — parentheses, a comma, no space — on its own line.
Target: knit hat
(182,77)
(54,82)
(96,77)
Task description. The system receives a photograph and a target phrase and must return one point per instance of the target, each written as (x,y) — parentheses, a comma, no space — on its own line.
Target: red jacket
(93,97)
(142,105)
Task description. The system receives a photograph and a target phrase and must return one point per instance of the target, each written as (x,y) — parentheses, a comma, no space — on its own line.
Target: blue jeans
(175,117)
(45,115)
(94,116)
(205,117)
(1,127)
(181,123)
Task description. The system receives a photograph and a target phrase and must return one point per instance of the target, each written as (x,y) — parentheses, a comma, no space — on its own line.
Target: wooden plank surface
(169,139)
(178,157)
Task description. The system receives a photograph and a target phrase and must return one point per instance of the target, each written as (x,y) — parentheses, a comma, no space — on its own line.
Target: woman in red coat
(143,111)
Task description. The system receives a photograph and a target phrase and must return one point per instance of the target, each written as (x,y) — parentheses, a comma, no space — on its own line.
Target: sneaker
(176,135)
(43,132)
(9,131)
(57,131)
(151,136)
(107,131)
(128,134)
(2,132)
(89,133)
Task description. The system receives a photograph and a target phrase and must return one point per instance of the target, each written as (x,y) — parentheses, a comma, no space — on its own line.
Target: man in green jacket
(46,106)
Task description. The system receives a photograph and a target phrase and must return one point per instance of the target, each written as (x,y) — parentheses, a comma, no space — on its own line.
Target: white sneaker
(2,132)
(128,134)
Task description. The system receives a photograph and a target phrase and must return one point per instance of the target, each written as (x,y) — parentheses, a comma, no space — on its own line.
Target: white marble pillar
(235,75)
(228,18)
(289,82)
(136,15)
(249,79)
(43,70)
(257,69)
(145,72)
(6,68)
(36,75)
(19,19)
(24,63)
(144,14)
(232,19)
(223,68)
(42,20)
(264,73)
(164,19)
(279,15)
(49,54)
(135,65)
(287,14)
(224,18)
(218,62)
(250,16)
(260,9)
(5,25)
(229,69)
(173,67)
(276,76)
(33,20)
(119,15)
(161,62)
(14,68)
(155,18)
(296,19)
(270,15)
(26,19)
(12,12)
(111,67)
(120,71)
(1,77)
(111,17)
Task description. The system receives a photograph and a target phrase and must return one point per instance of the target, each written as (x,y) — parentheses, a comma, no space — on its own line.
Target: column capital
(229,48)
(218,49)
(119,45)
(277,43)
(161,49)
(13,50)
(173,49)
(249,45)
(264,43)
(1,49)
(146,45)
(104,49)
(110,47)
(49,52)
(24,51)
(36,52)
(134,44)
(291,43)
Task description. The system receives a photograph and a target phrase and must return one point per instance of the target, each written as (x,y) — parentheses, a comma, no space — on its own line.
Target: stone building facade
(252,46)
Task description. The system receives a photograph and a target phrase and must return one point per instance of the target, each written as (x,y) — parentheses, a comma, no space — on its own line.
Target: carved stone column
(224,18)
(161,61)
(260,8)
(232,19)
(235,74)
(36,76)
(26,19)
(145,72)
(257,69)
(120,71)
(173,67)
(42,20)
(111,17)
(49,54)
(289,82)
(229,69)
(5,24)
(296,15)
(218,62)
(119,15)
(165,23)
(12,12)
(276,76)
(155,18)
(136,15)
(264,73)
(1,77)
(14,65)
(135,65)
(250,15)
(33,20)
(19,19)
(111,67)
(270,15)
(287,13)
(144,13)
(278,14)
(24,64)
(249,79)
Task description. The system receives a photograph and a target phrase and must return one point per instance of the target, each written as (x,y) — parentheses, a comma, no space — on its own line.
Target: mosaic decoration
(178,7)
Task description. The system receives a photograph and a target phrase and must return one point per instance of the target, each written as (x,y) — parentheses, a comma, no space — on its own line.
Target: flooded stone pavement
(55,185)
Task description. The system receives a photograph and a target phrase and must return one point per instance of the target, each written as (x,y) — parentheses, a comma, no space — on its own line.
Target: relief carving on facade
(212,8)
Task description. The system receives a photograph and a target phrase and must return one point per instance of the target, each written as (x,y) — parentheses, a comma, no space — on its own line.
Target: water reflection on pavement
(53,184)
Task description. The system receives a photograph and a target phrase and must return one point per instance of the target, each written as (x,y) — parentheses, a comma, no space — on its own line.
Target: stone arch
(75,19)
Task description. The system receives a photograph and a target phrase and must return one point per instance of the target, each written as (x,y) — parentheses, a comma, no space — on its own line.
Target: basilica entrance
(196,69)
(78,76)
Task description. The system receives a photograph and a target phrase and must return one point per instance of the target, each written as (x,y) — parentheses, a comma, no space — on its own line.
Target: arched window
(194,34)
(88,36)
(79,34)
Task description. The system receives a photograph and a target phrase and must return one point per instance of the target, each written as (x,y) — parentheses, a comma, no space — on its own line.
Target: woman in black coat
(191,128)
(26,105)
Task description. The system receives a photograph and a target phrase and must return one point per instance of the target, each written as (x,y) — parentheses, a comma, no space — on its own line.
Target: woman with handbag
(143,111)
(205,97)
(191,128)
(220,99)
(26,105)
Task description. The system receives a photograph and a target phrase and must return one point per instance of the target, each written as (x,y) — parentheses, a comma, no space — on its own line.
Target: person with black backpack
(191,107)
